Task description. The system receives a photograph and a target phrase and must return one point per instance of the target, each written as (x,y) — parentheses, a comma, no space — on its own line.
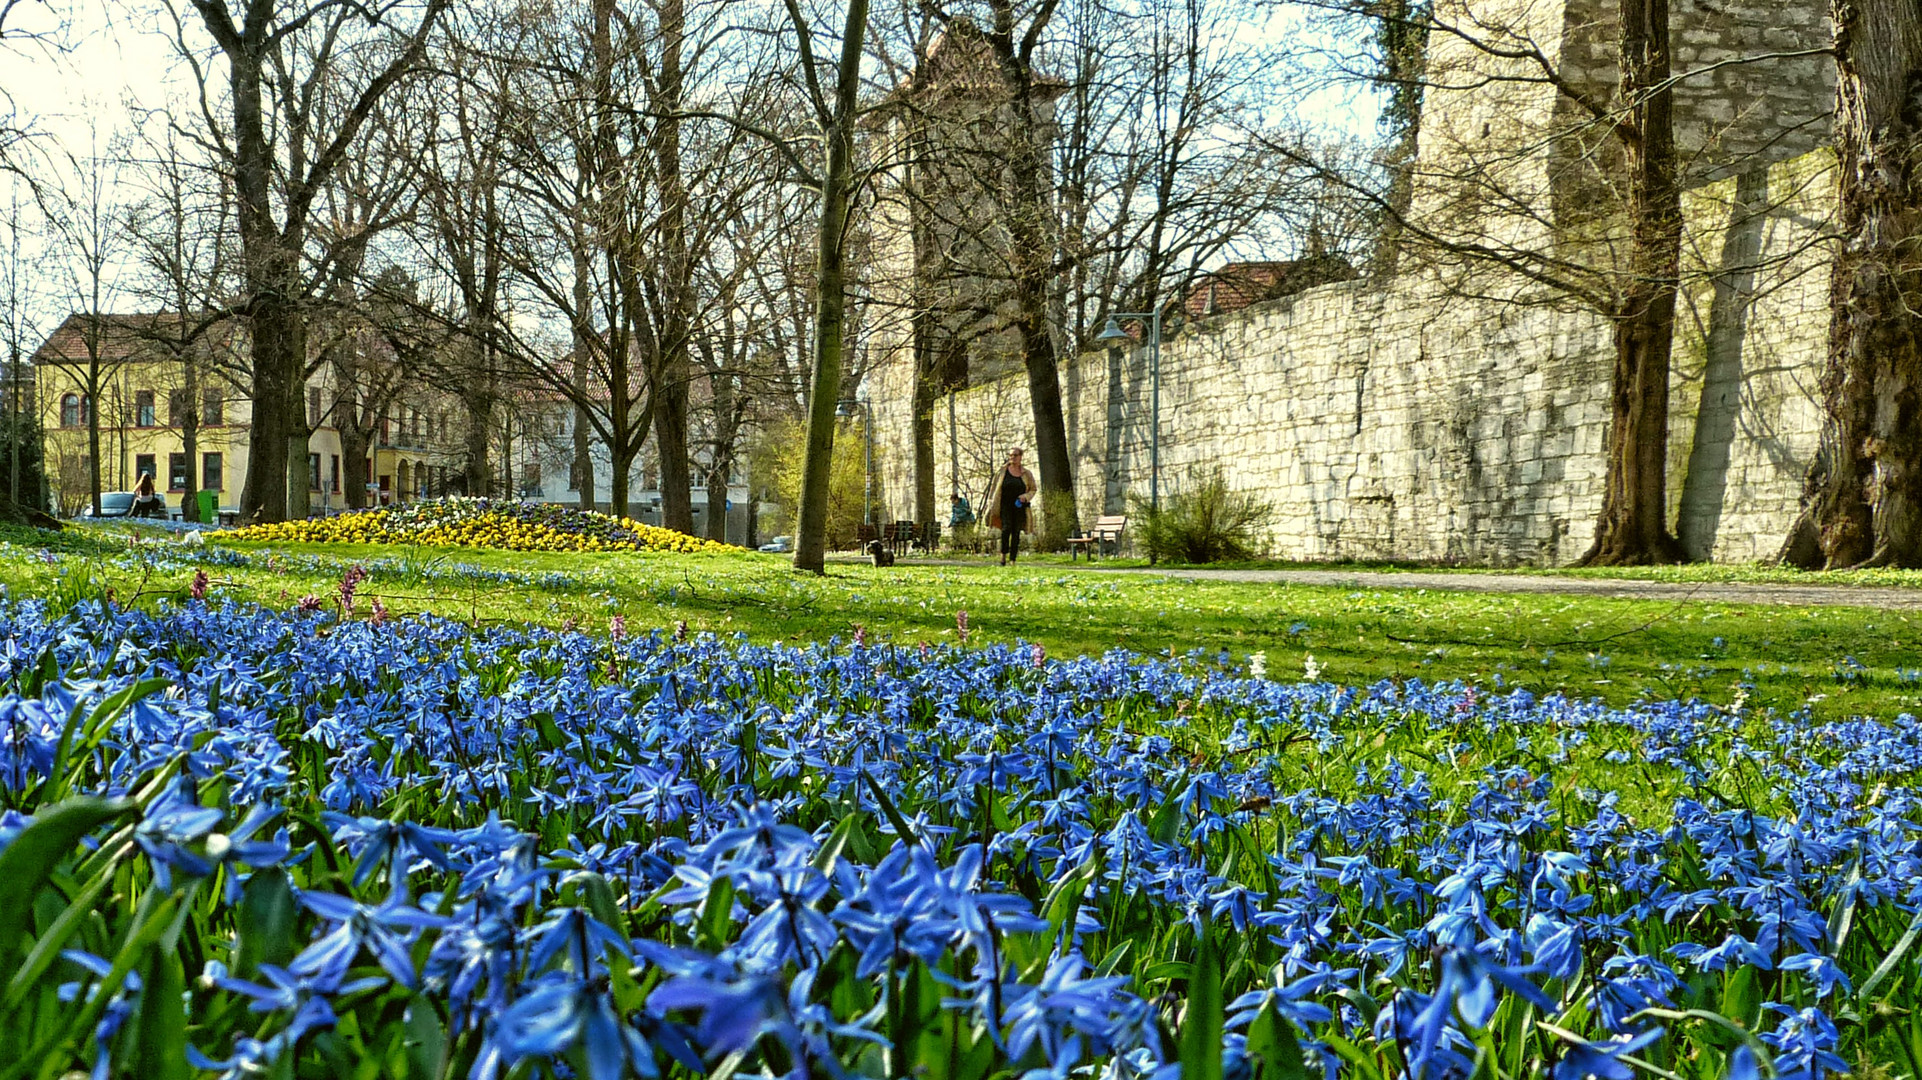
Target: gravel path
(1723,592)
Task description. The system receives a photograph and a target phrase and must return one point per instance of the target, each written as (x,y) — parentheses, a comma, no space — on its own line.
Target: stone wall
(1393,420)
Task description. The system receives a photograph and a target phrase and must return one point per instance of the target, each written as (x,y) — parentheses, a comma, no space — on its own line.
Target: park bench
(1105,537)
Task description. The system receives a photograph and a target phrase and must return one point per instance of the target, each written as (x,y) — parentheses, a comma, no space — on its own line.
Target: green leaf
(266,921)
(162,1032)
(1165,827)
(830,849)
(426,1039)
(1116,956)
(1165,969)
(895,819)
(717,915)
(1201,1027)
(1741,1001)
(47,948)
(29,861)
(601,904)
(1366,1067)
(1842,919)
(1887,967)
(1064,900)
(1273,1046)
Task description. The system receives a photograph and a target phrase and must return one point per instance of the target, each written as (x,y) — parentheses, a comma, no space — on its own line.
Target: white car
(780,545)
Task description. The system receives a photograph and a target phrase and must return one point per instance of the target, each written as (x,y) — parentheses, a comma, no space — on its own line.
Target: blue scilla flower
(1062,1005)
(1804,1044)
(113,1016)
(1822,971)
(1734,950)
(565,1013)
(252,1058)
(385,931)
(1586,1060)
(171,823)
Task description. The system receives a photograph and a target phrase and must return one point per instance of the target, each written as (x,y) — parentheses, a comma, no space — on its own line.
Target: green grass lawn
(1837,661)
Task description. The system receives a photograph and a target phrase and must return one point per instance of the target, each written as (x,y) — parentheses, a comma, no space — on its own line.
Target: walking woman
(1008,503)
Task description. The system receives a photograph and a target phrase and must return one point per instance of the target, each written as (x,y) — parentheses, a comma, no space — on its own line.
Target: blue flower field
(244,842)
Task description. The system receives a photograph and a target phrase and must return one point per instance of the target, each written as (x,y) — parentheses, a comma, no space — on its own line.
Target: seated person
(146,501)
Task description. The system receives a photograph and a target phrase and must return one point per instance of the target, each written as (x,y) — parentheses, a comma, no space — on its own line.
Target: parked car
(113,504)
(780,545)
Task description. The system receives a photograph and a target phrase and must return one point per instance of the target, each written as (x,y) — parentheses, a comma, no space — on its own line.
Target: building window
(143,465)
(313,406)
(313,472)
(333,483)
(180,405)
(210,478)
(420,428)
(213,411)
(143,408)
(177,478)
(70,415)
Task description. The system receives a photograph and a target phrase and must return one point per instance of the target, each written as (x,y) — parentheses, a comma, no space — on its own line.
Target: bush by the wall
(1204,524)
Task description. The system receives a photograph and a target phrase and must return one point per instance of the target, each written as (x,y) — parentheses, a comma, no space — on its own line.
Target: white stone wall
(1400,422)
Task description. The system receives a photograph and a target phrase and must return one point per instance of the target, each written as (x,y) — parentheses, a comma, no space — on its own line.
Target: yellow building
(151,393)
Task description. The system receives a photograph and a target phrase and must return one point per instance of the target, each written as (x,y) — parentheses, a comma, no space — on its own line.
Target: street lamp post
(846,407)
(1113,334)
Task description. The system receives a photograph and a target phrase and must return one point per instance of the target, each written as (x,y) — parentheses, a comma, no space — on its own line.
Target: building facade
(155,396)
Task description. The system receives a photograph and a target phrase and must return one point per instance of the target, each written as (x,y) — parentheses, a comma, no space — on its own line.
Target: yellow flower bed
(481,523)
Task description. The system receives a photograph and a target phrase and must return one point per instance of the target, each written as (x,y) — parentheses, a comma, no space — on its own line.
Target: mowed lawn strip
(1837,661)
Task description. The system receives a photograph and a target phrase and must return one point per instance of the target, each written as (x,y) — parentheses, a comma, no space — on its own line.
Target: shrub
(1207,523)
(781,453)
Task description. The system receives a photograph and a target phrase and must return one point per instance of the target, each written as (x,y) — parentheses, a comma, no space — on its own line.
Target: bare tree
(1865,493)
(833,94)
(1583,211)
(93,344)
(292,119)
(180,237)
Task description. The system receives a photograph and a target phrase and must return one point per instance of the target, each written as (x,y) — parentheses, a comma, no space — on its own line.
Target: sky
(107,66)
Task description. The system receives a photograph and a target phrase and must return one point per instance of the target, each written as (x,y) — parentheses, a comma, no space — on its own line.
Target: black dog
(880,554)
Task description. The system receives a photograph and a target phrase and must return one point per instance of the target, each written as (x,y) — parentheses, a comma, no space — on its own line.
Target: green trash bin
(209,506)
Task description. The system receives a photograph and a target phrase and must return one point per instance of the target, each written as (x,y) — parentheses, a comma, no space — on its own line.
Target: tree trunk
(93,450)
(190,441)
(354,441)
(670,450)
(478,401)
(725,429)
(617,482)
(1633,529)
(676,265)
(1868,495)
(1030,213)
(831,294)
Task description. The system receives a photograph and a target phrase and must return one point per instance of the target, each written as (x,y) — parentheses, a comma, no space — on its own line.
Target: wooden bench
(1105,537)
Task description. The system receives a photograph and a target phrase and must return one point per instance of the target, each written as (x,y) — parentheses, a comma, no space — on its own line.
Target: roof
(1239,284)
(117,338)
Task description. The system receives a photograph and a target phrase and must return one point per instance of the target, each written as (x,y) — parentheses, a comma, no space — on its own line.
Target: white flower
(1258,665)
(1312,668)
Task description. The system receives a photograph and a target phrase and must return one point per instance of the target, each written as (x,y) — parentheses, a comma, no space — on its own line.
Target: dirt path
(1718,592)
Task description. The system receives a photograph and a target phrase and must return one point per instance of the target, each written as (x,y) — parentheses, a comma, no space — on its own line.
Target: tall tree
(94,343)
(1634,522)
(281,152)
(836,112)
(1865,507)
